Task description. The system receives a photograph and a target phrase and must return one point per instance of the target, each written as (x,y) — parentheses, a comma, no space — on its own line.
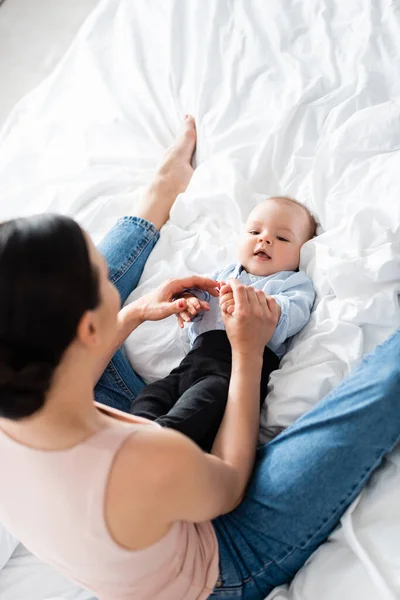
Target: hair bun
(33,376)
(22,391)
(7,375)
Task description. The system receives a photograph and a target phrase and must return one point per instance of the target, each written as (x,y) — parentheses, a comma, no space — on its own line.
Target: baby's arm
(295,300)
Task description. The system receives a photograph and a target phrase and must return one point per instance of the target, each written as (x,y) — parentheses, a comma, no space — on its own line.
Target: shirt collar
(237,270)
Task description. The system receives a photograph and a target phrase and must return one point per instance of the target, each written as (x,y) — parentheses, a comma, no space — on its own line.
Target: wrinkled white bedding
(27,578)
(300,98)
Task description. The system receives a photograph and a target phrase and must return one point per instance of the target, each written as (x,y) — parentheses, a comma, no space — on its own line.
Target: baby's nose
(265,237)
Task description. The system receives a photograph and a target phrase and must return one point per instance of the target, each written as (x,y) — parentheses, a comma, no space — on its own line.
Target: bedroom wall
(34,34)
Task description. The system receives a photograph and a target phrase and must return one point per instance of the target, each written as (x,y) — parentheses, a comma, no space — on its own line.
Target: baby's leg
(157,398)
(192,398)
(199,411)
(270,363)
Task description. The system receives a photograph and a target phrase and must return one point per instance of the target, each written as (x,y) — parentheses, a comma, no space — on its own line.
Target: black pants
(192,398)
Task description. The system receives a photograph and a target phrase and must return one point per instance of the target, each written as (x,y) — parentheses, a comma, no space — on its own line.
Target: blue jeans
(304,479)
(126,248)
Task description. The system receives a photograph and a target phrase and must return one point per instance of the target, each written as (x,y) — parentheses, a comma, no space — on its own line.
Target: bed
(290,97)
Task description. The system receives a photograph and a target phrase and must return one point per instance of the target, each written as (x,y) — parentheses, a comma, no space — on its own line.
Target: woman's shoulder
(119,415)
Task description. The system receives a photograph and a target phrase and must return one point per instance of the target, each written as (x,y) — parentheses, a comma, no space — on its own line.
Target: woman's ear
(87,332)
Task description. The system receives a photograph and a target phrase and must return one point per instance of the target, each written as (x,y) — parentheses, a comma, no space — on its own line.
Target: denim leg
(126,248)
(307,476)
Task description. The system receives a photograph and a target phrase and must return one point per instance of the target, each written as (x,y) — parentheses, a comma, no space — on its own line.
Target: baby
(193,396)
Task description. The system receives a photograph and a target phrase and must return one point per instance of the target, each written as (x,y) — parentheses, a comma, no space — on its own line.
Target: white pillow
(8,543)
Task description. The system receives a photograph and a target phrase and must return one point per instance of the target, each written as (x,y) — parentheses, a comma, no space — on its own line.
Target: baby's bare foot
(171,178)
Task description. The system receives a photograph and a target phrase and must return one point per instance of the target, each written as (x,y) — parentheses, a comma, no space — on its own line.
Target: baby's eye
(254,232)
(281,238)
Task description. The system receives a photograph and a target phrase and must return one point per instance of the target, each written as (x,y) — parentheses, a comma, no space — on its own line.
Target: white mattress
(299,98)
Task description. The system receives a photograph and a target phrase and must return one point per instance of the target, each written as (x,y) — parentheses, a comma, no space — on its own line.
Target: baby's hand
(226,301)
(194,306)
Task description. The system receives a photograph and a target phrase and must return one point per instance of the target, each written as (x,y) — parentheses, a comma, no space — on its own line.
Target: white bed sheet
(25,577)
(299,98)
(8,544)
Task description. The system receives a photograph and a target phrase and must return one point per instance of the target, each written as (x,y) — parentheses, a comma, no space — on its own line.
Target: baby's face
(272,237)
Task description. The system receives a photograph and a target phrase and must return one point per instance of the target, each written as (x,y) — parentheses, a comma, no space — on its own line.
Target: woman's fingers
(270,301)
(250,323)
(274,308)
(177,286)
(262,302)
(240,296)
(254,304)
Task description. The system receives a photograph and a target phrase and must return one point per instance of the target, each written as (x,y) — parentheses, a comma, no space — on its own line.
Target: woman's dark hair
(47,283)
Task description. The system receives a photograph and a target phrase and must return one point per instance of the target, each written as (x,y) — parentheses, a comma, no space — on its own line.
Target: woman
(123,507)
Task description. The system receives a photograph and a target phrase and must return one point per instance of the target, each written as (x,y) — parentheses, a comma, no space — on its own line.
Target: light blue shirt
(292,290)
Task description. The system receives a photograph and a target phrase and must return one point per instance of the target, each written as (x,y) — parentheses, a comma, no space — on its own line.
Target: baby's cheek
(295,258)
(244,250)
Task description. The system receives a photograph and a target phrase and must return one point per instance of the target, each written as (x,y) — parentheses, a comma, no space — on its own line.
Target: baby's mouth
(262,255)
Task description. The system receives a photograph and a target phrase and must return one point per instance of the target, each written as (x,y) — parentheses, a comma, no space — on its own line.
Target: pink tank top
(53,501)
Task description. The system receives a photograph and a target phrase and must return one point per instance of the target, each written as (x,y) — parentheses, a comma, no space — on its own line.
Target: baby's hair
(311,220)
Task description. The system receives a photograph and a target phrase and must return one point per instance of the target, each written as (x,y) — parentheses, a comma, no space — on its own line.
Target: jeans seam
(119,379)
(151,233)
(138,221)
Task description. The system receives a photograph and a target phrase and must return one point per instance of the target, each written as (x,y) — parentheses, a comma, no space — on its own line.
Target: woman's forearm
(129,318)
(236,440)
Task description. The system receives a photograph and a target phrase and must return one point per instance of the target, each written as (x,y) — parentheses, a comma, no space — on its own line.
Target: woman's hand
(160,303)
(253,320)
(227,304)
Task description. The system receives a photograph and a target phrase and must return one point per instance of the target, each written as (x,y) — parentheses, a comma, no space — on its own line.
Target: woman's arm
(179,481)
(249,327)
(220,480)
